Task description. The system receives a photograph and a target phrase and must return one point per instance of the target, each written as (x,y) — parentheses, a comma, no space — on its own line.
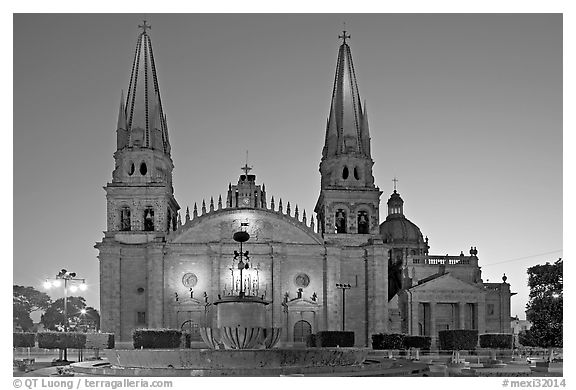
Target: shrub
(156,338)
(331,338)
(311,340)
(100,340)
(422,342)
(24,339)
(458,339)
(496,340)
(388,341)
(62,340)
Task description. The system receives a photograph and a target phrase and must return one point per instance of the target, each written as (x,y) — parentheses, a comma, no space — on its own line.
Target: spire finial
(144,26)
(246,168)
(344,36)
(395,180)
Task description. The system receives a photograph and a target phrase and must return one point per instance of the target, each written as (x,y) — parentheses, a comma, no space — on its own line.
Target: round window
(189,280)
(302,280)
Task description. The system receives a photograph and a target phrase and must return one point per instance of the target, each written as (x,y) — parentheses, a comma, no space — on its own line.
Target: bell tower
(140,197)
(349,202)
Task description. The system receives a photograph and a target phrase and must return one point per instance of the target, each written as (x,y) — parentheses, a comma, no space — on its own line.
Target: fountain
(241,344)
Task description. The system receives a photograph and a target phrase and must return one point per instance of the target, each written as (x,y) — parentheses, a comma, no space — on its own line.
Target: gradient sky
(466,110)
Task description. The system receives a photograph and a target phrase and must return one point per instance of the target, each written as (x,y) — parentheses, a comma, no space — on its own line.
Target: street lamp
(56,282)
(343,287)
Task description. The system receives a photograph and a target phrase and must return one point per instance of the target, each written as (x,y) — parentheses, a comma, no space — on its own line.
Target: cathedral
(340,269)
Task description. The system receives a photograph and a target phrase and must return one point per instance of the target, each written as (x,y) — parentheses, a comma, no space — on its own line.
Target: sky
(464,109)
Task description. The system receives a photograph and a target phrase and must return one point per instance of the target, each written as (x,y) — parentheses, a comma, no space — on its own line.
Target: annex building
(159,270)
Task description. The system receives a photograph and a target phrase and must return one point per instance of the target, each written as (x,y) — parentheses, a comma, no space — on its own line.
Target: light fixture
(57,283)
(47,284)
(83,286)
(73,288)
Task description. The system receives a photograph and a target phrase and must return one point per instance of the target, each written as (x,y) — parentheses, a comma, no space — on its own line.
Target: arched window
(345,173)
(143,168)
(356,173)
(340,221)
(125,224)
(149,219)
(363,222)
(301,330)
(131,169)
(168,220)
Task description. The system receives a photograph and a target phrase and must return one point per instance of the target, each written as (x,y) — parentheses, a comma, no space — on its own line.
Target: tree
(53,318)
(544,308)
(90,320)
(25,301)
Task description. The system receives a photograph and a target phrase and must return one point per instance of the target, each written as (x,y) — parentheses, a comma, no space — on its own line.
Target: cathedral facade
(340,269)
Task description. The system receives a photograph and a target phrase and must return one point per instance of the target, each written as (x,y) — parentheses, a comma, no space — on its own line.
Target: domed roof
(399,229)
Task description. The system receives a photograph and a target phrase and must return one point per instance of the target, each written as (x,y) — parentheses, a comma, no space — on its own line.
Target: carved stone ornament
(189,280)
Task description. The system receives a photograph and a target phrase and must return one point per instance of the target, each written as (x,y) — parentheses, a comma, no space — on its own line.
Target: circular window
(302,280)
(143,168)
(189,280)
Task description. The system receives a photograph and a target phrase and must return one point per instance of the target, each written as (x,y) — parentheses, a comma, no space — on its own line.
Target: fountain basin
(235,359)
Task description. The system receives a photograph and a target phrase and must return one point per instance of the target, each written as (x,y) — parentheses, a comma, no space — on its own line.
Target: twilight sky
(465,109)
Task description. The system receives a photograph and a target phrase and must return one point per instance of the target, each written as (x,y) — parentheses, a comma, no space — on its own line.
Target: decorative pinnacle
(395,182)
(344,36)
(144,27)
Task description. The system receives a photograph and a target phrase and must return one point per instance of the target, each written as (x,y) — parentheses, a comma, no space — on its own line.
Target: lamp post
(343,287)
(66,276)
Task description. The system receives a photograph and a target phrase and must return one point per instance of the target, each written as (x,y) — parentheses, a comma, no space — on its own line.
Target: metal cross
(246,168)
(344,36)
(144,26)
(395,181)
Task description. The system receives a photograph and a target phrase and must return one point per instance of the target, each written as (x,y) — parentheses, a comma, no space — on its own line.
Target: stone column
(216,287)
(332,298)
(461,315)
(481,316)
(377,288)
(433,332)
(110,289)
(155,287)
(414,314)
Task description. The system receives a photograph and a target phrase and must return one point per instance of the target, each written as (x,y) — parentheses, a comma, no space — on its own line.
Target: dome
(398,229)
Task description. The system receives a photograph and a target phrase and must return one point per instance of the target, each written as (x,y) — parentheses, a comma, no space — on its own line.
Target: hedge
(422,342)
(329,338)
(62,340)
(388,341)
(156,338)
(458,339)
(311,340)
(24,339)
(100,340)
(496,340)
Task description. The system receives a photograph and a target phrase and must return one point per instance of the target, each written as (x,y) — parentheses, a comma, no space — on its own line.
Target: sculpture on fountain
(241,313)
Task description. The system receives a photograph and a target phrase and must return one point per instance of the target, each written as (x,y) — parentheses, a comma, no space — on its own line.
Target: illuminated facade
(159,271)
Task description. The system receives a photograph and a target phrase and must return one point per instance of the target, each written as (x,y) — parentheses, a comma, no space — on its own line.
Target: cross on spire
(395,182)
(144,27)
(246,168)
(344,36)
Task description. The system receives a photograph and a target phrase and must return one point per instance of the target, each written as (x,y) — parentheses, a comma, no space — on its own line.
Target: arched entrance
(301,330)
(193,329)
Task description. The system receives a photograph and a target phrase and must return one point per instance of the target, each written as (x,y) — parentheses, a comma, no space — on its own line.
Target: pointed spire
(296,212)
(203,207)
(195,212)
(121,128)
(280,206)
(211,204)
(187,214)
(272,203)
(345,131)
(143,104)
(312,223)
(288,209)
(304,217)
(219,202)
(179,220)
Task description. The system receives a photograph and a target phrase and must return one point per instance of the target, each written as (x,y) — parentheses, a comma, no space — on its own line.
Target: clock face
(246,201)
(189,280)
